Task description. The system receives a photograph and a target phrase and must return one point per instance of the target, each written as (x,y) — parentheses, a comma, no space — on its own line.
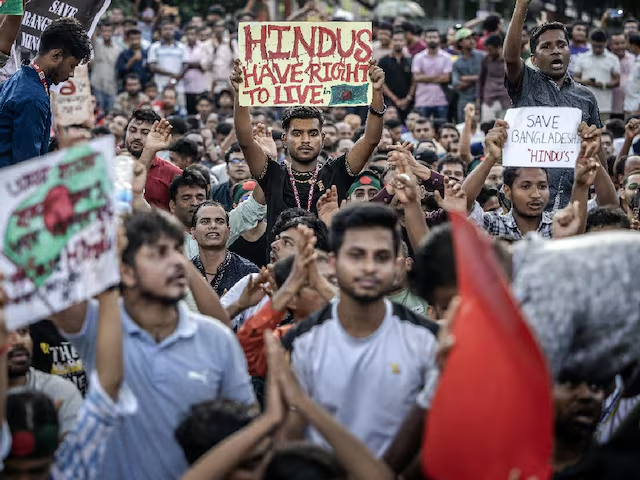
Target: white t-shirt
(368,384)
(632,88)
(232,296)
(601,68)
(169,57)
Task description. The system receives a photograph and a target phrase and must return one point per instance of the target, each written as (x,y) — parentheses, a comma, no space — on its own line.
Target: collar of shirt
(510,221)
(186,327)
(31,73)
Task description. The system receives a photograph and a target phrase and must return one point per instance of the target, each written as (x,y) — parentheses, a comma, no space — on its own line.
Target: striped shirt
(81,455)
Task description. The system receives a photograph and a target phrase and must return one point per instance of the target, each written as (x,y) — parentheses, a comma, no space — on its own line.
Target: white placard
(545,137)
(58,230)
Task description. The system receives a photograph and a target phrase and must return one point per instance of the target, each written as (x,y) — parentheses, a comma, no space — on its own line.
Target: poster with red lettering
(58,230)
(71,102)
(305,63)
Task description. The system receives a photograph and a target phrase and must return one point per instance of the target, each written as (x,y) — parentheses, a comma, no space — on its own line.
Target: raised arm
(586,170)
(109,357)
(364,147)
(9,27)
(494,143)
(467,132)
(513,42)
(256,158)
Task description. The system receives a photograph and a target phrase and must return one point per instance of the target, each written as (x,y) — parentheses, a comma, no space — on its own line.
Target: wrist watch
(378,113)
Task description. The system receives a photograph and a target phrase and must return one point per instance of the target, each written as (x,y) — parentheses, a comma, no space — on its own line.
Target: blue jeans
(438,113)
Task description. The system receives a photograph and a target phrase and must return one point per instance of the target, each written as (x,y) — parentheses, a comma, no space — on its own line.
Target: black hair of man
(100,131)
(362,216)
(431,29)
(447,126)
(146,115)
(185,148)
(449,160)
(147,228)
(208,203)
(132,31)
(204,171)
(319,228)
(386,26)
(304,461)
(209,423)
(234,148)
(598,36)
(486,193)
(545,27)
(132,76)
(178,124)
(510,174)
(286,216)
(34,413)
(434,264)
(495,41)
(620,166)
(300,113)
(205,96)
(68,35)
(634,39)
(189,178)
(391,124)
(616,127)
(491,23)
(602,217)
(223,129)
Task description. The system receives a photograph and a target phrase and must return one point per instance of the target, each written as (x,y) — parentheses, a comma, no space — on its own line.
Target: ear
(284,138)
(172,206)
(408,263)
(127,275)
(507,193)
(56,54)
(534,60)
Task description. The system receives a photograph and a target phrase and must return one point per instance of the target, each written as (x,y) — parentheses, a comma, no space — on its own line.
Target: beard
(165,300)
(433,45)
(21,369)
(305,161)
(363,299)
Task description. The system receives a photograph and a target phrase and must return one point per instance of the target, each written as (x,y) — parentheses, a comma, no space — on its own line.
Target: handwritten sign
(544,137)
(58,230)
(71,103)
(305,63)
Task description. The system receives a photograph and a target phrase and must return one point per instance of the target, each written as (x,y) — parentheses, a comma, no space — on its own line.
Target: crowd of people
(288,275)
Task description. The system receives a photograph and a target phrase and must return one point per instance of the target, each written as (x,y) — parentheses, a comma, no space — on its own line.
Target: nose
(535,193)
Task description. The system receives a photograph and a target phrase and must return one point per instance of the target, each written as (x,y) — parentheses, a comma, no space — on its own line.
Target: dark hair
(207,97)
(486,193)
(510,174)
(423,121)
(539,30)
(300,112)
(286,216)
(304,461)
(68,35)
(33,412)
(601,217)
(634,39)
(598,36)
(99,131)
(385,26)
(430,29)
(189,178)
(204,171)
(448,160)
(234,148)
(607,133)
(282,270)
(494,41)
(105,23)
(616,127)
(133,31)
(620,165)
(145,115)
(208,203)
(398,31)
(391,124)
(185,148)
(146,228)
(179,125)
(364,215)
(447,126)
(132,76)
(491,23)
(434,264)
(319,228)
(223,128)
(209,423)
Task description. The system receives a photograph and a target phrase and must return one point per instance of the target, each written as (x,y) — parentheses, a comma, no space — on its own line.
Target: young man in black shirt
(302,180)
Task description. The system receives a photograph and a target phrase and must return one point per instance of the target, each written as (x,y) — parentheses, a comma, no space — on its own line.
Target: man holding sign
(550,85)
(302,181)
(527,188)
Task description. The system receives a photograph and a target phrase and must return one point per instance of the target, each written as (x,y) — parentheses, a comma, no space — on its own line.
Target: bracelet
(378,113)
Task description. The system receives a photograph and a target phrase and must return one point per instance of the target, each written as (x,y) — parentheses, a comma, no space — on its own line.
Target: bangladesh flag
(75,194)
(10,7)
(349,94)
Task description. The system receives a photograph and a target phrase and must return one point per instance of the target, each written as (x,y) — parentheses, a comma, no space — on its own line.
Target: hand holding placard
(545,137)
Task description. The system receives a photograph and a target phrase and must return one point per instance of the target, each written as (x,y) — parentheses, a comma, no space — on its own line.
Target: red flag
(492,412)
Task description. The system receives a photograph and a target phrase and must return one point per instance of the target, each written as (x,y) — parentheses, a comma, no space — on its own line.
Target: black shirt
(232,269)
(53,354)
(535,89)
(252,251)
(279,193)
(222,194)
(397,74)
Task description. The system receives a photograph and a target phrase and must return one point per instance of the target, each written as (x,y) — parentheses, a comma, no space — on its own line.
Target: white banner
(545,137)
(58,230)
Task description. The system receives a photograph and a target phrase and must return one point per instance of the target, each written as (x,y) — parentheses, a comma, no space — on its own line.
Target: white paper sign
(58,230)
(545,137)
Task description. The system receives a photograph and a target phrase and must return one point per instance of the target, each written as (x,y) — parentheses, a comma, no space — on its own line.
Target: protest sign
(305,63)
(11,7)
(38,15)
(71,103)
(545,137)
(58,230)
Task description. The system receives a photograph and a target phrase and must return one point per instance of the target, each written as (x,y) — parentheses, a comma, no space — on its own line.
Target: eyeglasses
(238,161)
(632,186)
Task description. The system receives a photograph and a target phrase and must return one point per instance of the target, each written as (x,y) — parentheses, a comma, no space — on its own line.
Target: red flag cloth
(492,411)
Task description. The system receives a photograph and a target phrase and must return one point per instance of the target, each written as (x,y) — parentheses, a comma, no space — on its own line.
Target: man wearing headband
(366,186)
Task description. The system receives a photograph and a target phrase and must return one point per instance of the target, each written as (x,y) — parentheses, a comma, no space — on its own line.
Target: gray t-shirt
(56,388)
(581,296)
